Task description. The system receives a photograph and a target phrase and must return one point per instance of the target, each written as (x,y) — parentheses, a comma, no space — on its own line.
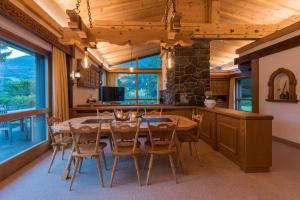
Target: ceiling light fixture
(85,59)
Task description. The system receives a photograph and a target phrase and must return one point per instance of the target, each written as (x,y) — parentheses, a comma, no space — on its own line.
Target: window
(140,88)
(145,62)
(23,89)
(243,94)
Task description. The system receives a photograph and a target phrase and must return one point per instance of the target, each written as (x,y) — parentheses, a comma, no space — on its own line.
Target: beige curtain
(232,93)
(60,84)
(112,79)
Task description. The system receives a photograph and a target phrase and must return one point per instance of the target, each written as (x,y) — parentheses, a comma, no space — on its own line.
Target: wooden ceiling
(232,11)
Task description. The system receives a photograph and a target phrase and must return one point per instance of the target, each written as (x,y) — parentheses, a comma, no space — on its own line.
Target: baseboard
(286,142)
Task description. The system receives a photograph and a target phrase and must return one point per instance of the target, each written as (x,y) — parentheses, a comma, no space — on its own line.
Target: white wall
(286,123)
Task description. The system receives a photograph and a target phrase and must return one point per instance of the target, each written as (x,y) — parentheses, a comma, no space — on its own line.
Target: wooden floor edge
(286,142)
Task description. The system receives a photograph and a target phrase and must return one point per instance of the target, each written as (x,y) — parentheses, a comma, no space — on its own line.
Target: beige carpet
(214,178)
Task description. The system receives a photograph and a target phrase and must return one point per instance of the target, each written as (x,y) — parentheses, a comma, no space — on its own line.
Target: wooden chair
(154,111)
(105,115)
(58,141)
(83,148)
(125,143)
(162,132)
(192,137)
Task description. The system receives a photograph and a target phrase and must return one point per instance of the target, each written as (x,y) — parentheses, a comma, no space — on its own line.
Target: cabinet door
(219,87)
(228,136)
(207,130)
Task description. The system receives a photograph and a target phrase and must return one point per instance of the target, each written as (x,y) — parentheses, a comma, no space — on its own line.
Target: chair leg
(190,148)
(100,171)
(113,170)
(146,160)
(80,164)
(149,169)
(52,158)
(137,167)
(172,167)
(104,160)
(196,151)
(62,152)
(74,173)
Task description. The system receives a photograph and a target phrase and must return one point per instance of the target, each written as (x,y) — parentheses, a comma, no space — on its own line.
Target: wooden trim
(286,142)
(19,115)
(50,85)
(273,36)
(18,16)
(10,37)
(281,46)
(255,85)
(136,70)
(12,165)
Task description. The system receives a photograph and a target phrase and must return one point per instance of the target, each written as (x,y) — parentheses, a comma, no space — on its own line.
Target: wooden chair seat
(63,141)
(88,150)
(160,149)
(126,150)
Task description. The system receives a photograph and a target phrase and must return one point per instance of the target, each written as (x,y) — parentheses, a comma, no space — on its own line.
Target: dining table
(185,125)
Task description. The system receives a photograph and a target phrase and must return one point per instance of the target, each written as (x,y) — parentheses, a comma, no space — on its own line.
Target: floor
(215,177)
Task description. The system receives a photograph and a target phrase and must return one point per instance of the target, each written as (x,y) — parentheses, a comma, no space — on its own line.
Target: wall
(81,94)
(286,122)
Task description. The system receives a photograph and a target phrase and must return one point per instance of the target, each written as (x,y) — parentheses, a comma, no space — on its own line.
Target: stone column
(189,76)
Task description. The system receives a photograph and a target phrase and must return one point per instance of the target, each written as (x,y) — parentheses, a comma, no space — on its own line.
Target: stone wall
(189,76)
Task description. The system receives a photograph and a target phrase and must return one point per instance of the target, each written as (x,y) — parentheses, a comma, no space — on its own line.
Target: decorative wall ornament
(282,86)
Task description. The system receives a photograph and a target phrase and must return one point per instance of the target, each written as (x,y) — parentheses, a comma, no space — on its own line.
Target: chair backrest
(83,135)
(125,131)
(162,131)
(154,111)
(199,118)
(50,122)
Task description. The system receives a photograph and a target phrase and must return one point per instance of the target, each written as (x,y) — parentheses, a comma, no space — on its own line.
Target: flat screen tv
(112,94)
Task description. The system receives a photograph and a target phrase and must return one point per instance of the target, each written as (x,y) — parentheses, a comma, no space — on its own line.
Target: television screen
(112,94)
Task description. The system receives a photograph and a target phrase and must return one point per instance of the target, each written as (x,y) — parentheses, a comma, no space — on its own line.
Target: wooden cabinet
(90,77)
(245,138)
(220,88)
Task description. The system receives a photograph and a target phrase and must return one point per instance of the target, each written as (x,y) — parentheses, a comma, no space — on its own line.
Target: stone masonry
(189,75)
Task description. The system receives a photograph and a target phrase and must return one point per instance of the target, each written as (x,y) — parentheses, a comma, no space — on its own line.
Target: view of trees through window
(244,94)
(140,88)
(17,78)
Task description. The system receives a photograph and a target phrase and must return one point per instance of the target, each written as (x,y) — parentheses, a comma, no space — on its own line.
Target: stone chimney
(189,76)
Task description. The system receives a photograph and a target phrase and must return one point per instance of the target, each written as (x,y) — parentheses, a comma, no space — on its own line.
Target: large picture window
(141,88)
(23,90)
(243,94)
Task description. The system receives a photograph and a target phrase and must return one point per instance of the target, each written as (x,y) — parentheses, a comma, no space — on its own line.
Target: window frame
(19,160)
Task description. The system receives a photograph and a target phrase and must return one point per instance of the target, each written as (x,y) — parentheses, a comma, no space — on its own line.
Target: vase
(210,103)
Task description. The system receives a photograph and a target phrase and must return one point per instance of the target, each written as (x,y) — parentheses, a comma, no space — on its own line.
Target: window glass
(147,83)
(146,62)
(150,62)
(244,94)
(23,87)
(128,81)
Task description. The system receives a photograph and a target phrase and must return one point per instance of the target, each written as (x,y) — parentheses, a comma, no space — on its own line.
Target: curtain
(159,81)
(112,79)
(60,84)
(232,93)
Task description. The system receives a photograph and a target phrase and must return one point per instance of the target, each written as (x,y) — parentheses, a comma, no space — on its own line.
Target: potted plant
(210,101)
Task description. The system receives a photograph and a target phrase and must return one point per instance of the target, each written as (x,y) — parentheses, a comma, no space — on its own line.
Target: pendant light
(85,59)
(131,68)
